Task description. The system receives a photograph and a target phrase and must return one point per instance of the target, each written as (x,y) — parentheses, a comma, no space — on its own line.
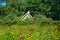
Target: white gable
(27,15)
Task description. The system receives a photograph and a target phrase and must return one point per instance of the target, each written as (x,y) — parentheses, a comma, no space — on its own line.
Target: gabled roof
(27,15)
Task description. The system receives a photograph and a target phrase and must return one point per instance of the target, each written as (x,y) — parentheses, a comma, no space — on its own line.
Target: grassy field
(29,32)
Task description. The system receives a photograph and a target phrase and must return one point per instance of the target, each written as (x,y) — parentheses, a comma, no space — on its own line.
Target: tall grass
(29,32)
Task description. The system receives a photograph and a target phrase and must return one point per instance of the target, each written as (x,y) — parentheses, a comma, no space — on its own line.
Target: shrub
(42,20)
(26,21)
(29,21)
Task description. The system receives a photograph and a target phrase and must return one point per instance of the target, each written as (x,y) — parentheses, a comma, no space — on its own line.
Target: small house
(27,15)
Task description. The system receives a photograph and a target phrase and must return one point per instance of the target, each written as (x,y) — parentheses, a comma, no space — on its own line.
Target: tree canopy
(49,8)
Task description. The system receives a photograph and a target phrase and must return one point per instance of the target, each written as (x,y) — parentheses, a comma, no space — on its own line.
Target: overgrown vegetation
(12,12)
(37,19)
(29,32)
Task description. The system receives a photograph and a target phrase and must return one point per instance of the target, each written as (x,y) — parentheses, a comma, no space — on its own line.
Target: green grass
(29,32)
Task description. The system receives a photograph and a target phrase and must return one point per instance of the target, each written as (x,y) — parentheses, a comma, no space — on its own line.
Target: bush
(42,20)
(10,20)
(26,21)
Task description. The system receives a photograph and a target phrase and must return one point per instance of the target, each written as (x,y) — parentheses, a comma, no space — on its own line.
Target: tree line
(17,8)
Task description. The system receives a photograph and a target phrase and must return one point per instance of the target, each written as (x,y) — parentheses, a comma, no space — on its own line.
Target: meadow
(29,32)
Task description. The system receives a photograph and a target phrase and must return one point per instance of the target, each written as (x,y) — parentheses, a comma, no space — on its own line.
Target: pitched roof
(27,15)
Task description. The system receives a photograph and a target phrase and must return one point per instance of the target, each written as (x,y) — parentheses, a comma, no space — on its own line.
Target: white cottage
(27,15)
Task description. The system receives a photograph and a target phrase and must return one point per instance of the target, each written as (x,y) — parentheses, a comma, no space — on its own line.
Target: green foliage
(42,20)
(14,9)
(26,21)
(29,32)
(29,21)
